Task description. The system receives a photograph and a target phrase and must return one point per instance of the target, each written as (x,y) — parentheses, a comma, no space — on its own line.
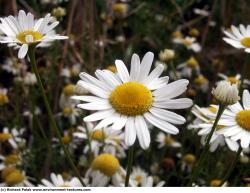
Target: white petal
(122,70)
(163,125)
(95,106)
(154,74)
(99,115)
(146,65)
(246,99)
(181,103)
(142,132)
(130,131)
(119,123)
(23,51)
(135,68)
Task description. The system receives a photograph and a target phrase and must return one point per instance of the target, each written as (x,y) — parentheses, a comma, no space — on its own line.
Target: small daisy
(72,71)
(14,177)
(105,168)
(202,83)
(58,181)
(4,99)
(206,116)
(189,67)
(23,31)
(13,136)
(9,161)
(234,79)
(13,66)
(111,139)
(166,140)
(188,161)
(238,37)
(129,100)
(29,79)
(236,119)
(189,42)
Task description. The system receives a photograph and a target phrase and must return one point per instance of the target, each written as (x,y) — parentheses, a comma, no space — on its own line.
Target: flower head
(23,31)
(226,93)
(128,100)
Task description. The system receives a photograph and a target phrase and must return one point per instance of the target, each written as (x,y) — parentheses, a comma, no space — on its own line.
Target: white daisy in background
(189,42)
(166,140)
(58,181)
(207,117)
(128,100)
(14,177)
(13,66)
(4,99)
(23,31)
(9,161)
(201,83)
(189,67)
(238,37)
(29,79)
(140,177)
(234,79)
(13,136)
(236,119)
(111,140)
(106,168)
(72,71)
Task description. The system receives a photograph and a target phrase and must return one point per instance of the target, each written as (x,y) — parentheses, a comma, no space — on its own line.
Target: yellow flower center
(106,163)
(120,7)
(245,42)
(177,34)
(98,135)
(138,179)
(7,171)
(14,177)
(11,159)
(5,136)
(233,80)
(212,109)
(66,139)
(131,99)
(200,80)
(189,158)
(112,68)
(243,119)
(67,110)
(3,99)
(194,32)
(168,140)
(192,63)
(64,185)
(215,183)
(69,89)
(187,42)
(22,37)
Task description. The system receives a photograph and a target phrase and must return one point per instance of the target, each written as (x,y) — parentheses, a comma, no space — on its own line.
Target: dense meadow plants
(124,93)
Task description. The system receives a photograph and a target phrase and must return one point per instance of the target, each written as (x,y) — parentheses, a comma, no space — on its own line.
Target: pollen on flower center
(29,36)
(243,119)
(5,136)
(233,80)
(245,42)
(11,159)
(131,99)
(98,135)
(15,177)
(106,163)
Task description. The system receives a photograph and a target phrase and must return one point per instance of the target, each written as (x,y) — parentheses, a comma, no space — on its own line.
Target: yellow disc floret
(189,158)
(243,119)
(131,99)
(69,89)
(112,68)
(168,140)
(3,99)
(215,183)
(5,136)
(245,42)
(233,80)
(67,110)
(192,63)
(14,177)
(98,135)
(106,164)
(22,37)
(11,159)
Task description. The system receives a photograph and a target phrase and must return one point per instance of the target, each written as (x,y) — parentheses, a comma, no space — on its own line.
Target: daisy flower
(105,168)
(4,99)
(112,140)
(58,181)
(234,79)
(206,116)
(189,66)
(23,31)
(13,66)
(236,119)
(238,37)
(189,42)
(166,140)
(130,99)
(13,136)
(9,160)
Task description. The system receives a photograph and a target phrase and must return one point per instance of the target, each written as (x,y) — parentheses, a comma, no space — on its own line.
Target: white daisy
(24,30)
(13,136)
(111,140)
(128,100)
(4,99)
(207,117)
(189,42)
(238,37)
(13,66)
(189,67)
(58,181)
(236,119)
(234,79)
(166,140)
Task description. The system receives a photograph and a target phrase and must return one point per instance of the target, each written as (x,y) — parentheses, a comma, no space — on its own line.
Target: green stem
(206,148)
(31,54)
(230,170)
(129,164)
